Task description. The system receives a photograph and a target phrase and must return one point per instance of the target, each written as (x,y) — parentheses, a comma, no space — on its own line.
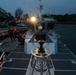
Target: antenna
(40,6)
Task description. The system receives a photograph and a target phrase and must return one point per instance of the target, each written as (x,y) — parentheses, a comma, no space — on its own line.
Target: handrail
(1,54)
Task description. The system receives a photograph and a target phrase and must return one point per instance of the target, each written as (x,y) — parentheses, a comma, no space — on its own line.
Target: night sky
(50,6)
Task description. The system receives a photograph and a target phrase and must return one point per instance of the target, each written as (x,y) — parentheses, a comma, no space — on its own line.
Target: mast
(40,8)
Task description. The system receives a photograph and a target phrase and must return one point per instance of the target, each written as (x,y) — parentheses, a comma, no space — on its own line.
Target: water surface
(68,35)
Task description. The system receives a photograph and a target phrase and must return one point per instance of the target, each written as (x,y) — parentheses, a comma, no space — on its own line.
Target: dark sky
(50,6)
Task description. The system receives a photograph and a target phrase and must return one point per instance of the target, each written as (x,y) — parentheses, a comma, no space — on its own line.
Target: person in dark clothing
(11,34)
(15,31)
(21,38)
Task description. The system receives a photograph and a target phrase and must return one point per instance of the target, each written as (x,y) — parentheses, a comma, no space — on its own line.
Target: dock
(4,31)
(7,45)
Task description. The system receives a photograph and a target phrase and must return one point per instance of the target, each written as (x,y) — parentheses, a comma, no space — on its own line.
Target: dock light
(33,19)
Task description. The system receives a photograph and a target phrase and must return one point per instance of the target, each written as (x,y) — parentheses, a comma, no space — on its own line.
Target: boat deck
(19,63)
(62,62)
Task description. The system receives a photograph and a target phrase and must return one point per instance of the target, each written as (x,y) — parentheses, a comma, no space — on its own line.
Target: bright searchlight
(33,19)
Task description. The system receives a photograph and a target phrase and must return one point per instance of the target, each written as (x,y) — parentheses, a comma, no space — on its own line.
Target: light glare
(33,19)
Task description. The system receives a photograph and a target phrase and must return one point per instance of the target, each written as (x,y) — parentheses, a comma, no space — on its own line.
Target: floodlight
(33,19)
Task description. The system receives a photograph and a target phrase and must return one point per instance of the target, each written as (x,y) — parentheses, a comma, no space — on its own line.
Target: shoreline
(65,22)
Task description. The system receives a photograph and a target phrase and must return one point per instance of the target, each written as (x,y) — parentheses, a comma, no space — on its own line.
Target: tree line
(66,18)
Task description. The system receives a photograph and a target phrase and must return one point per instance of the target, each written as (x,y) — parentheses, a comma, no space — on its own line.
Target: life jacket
(14,29)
